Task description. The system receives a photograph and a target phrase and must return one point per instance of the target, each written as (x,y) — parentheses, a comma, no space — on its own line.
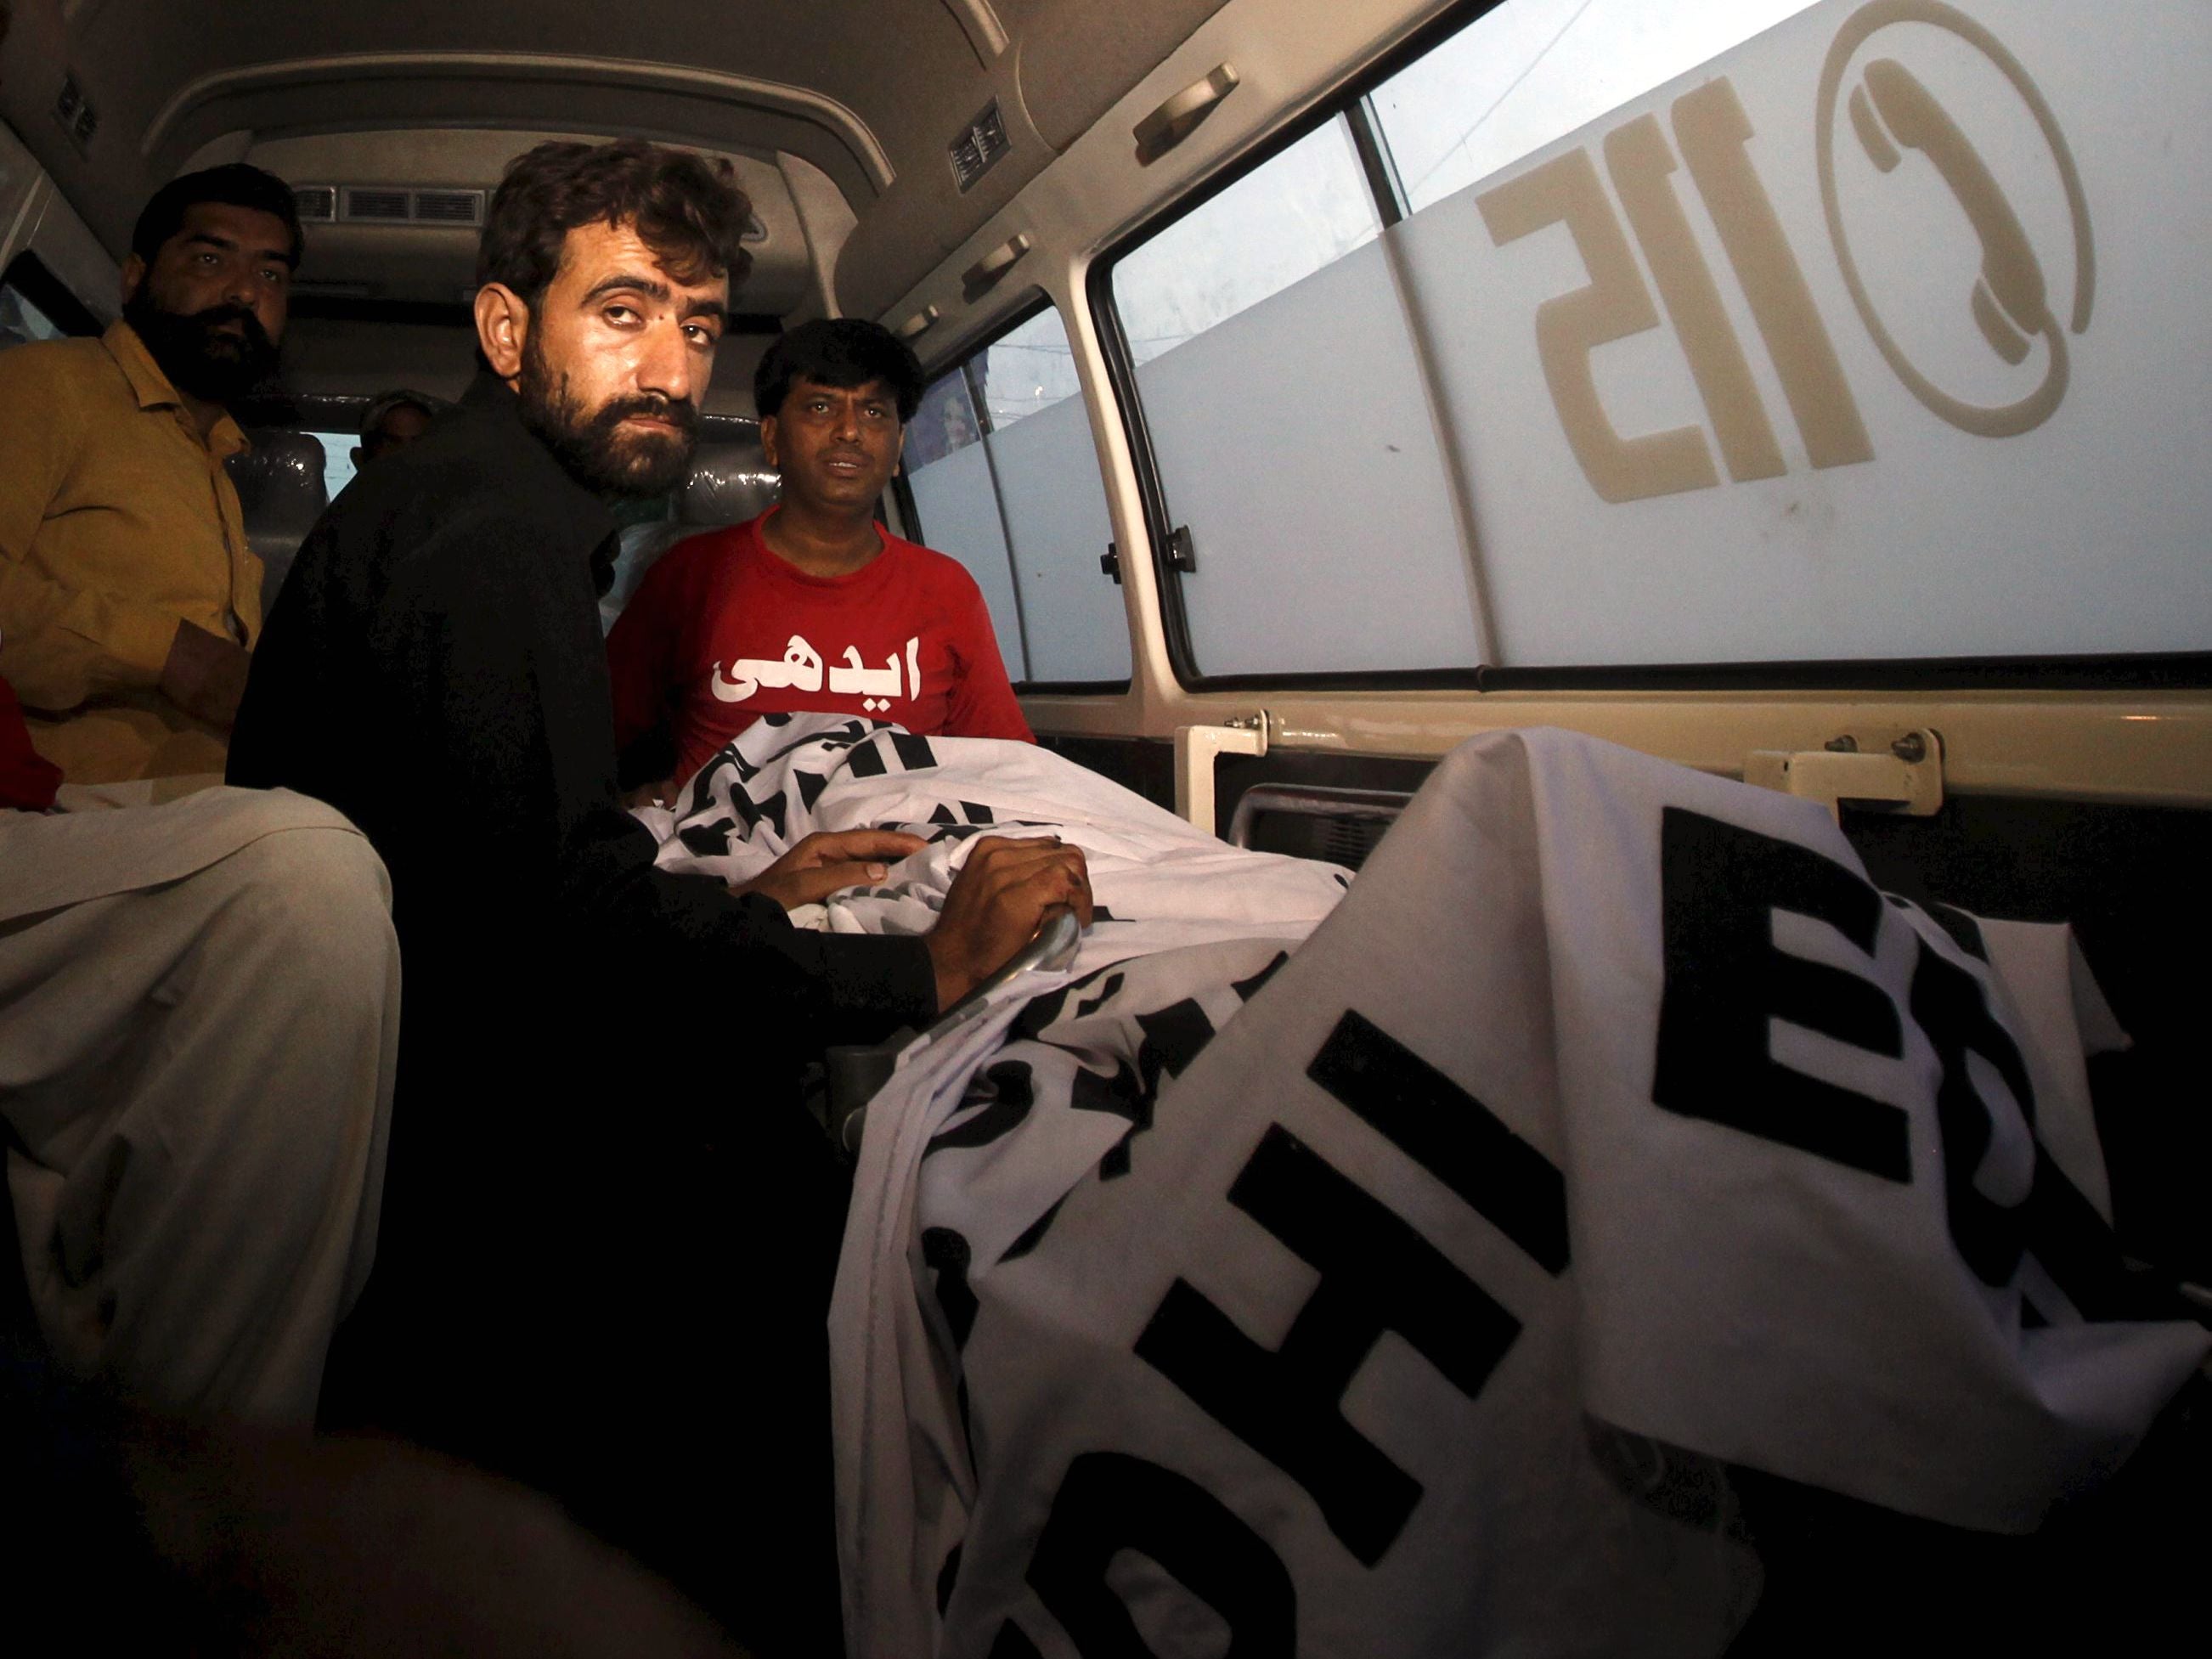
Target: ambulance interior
(1808,392)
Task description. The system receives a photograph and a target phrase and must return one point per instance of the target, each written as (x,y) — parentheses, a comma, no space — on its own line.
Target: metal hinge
(1183,552)
(1109,563)
(1890,772)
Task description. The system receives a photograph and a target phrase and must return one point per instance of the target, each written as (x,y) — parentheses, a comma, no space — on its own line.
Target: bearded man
(129,598)
(610,1226)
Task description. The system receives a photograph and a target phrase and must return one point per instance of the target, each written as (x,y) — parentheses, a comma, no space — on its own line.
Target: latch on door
(1892,772)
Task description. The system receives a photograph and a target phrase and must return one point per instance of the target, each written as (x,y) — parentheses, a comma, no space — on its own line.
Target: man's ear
(134,273)
(767,441)
(502,329)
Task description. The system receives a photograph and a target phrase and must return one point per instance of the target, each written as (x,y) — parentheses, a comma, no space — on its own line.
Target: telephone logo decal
(1890,111)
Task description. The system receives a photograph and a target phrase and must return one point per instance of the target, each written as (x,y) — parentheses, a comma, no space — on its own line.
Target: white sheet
(1160,882)
(1613,1131)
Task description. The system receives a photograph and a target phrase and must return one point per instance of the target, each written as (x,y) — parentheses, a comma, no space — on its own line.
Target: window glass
(337,459)
(21,322)
(1005,478)
(944,421)
(1025,371)
(1717,332)
(1308,208)
(1284,399)
(1531,71)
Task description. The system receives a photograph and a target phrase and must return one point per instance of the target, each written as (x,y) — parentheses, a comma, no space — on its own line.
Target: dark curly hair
(844,352)
(688,211)
(236,183)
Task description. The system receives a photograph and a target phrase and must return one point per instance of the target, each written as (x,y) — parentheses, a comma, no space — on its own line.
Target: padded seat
(281,494)
(729,483)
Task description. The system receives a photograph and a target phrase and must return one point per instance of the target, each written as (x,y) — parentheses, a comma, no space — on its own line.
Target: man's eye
(620,314)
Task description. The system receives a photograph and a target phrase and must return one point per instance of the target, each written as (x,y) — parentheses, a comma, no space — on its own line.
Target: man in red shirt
(813,605)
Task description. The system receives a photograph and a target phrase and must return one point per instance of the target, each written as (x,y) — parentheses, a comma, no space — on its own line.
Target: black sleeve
(503,809)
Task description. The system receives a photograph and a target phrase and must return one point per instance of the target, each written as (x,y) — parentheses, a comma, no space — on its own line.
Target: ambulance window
(1533,71)
(35,306)
(1280,384)
(1758,335)
(21,322)
(1005,479)
(337,459)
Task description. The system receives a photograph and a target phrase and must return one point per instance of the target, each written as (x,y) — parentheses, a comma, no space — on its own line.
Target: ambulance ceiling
(871,95)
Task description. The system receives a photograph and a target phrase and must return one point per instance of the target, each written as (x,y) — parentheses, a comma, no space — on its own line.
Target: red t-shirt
(722,631)
(27,779)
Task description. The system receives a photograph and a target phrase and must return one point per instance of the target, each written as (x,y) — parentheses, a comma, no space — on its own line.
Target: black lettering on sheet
(968,812)
(706,841)
(1246,989)
(947,1577)
(811,786)
(946,1253)
(1174,1037)
(1949,1004)
(1107,993)
(1033,1235)
(1377,1274)
(1124,1095)
(1720,887)
(1965,929)
(1110,1502)
(843,737)
(1447,1131)
(2071,1242)
(1015,1092)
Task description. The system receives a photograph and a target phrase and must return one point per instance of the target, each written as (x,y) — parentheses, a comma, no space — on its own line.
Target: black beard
(215,368)
(589,447)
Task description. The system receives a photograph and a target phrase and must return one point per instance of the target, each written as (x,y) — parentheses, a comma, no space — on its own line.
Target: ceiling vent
(368,204)
(979,147)
(389,204)
(449,207)
(74,113)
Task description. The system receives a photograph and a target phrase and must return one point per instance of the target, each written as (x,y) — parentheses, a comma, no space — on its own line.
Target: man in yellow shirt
(129,599)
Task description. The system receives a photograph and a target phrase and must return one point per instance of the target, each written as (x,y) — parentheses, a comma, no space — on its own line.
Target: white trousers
(199,1018)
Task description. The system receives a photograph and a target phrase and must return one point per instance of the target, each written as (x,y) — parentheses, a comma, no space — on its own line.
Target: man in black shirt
(609,1227)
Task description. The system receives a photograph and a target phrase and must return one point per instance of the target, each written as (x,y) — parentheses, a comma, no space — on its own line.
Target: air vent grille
(449,207)
(389,204)
(74,113)
(377,206)
(978,148)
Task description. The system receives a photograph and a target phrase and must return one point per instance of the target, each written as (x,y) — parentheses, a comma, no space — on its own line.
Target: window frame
(967,347)
(1351,98)
(30,276)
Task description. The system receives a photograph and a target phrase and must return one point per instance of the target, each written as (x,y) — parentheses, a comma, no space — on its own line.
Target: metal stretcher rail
(853,1072)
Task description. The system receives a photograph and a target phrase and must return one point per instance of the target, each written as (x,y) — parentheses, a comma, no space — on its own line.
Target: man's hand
(828,860)
(205,674)
(1003,894)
